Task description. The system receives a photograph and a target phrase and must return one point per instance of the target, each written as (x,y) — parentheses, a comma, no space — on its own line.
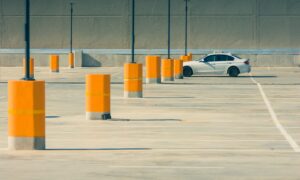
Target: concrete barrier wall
(111,58)
(105,24)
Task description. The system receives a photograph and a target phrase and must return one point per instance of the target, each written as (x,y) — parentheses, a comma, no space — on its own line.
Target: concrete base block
(164,79)
(98,115)
(153,80)
(57,71)
(78,58)
(179,76)
(26,143)
(133,94)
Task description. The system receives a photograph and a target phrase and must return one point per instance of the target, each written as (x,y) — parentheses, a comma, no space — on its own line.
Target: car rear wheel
(233,72)
(187,71)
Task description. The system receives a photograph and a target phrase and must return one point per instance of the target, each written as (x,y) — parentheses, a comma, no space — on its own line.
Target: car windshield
(205,56)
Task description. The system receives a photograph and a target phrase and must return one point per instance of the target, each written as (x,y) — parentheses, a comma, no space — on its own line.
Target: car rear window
(236,56)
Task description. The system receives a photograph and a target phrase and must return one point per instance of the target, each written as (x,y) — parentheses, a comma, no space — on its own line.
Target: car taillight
(247,62)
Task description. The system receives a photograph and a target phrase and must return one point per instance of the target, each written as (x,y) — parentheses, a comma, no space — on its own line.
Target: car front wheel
(233,72)
(187,71)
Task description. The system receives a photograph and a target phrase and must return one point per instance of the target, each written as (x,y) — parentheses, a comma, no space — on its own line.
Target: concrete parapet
(116,58)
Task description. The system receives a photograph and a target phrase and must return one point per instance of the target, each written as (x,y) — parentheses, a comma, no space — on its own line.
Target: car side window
(209,58)
(230,58)
(224,58)
(221,58)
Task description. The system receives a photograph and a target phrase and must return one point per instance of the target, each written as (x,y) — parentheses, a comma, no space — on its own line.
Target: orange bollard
(98,97)
(133,80)
(26,115)
(54,63)
(153,73)
(167,70)
(31,67)
(71,60)
(185,58)
(178,69)
(190,56)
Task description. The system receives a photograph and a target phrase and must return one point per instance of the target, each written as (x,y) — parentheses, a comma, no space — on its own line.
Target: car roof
(216,53)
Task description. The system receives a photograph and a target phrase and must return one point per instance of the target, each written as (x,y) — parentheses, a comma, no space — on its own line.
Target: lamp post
(169,29)
(26,104)
(187,56)
(133,32)
(27,41)
(71,27)
(133,72)
(186,27)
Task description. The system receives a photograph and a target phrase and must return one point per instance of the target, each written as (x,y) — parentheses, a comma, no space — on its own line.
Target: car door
(221,63)
(205,66)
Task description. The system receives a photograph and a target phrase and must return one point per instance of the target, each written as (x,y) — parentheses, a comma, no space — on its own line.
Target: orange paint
(133,77)
(54,63)
(26,108)
(98,93)
(153,64)
(31,67)
(167,67)
(71,60)
(178,67)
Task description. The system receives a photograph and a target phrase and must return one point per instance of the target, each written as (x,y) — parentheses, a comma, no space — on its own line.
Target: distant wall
(117,57)
(105,24)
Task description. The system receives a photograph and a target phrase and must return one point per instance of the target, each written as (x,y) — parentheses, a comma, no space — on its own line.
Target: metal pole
(71,28)
(27,40)
(186,26)
(133,32)
(169,28)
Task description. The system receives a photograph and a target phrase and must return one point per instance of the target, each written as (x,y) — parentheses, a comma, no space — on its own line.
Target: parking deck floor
(198,128)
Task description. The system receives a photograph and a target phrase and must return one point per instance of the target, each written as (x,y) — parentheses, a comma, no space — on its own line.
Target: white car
(218,63)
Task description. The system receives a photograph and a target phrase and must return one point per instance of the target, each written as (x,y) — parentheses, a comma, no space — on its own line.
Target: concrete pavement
(196,128)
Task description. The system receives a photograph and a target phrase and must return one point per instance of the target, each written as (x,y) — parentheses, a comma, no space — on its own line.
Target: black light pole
(71,28)
(169,28)
(186,26)
(133,32)
(27,40)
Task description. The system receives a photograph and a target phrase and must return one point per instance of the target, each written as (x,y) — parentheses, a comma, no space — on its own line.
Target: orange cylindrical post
(185,58)
(153,74)
(133,80)
(98,97)
(54,63)
(26,115)
(178,69)
(31,67)
(71,60)
(167,68)
(190,56)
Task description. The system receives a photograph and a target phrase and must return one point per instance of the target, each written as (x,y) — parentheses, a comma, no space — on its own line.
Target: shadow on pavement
(52,117)
(169,97)
(145,120)
(235,77)
(97,149)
